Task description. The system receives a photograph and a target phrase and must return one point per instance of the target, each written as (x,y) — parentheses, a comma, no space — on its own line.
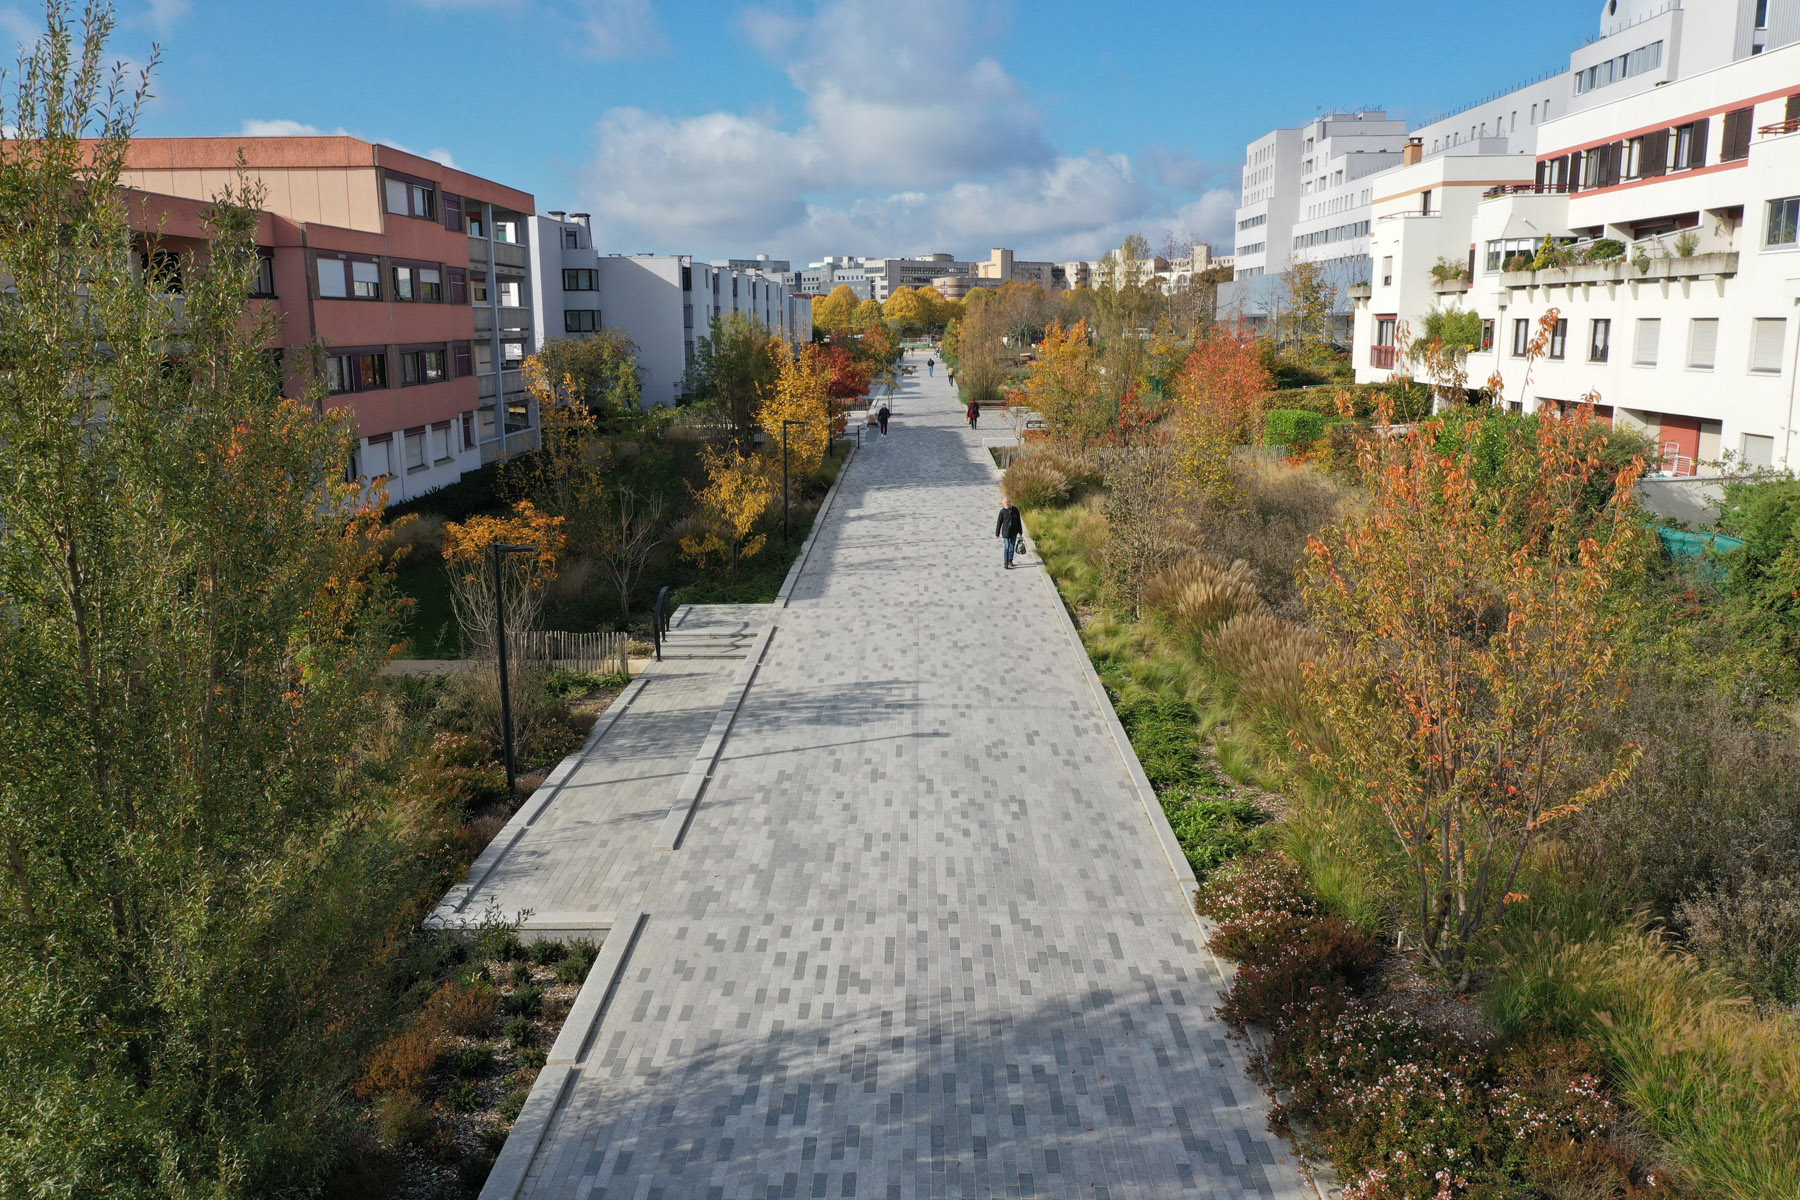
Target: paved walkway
(919,938)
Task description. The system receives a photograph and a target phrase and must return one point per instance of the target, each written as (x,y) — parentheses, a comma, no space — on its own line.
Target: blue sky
(798,129)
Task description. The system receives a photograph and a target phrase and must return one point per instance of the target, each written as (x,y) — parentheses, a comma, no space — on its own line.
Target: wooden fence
(601,653)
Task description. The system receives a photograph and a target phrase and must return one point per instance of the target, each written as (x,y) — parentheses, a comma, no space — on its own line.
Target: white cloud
(19,27)
(622,29)
(283,127)
(438,154)
(162,14)
(910,141)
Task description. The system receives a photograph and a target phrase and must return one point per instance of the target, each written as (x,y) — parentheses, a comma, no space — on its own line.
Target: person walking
(930,367)
(1010,527)
(881,418)
(951,372)
(974,414)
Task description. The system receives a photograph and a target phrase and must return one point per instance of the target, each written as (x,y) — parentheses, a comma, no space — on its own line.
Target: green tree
(601,369)
(735,367)
(1306,325)
(197,879)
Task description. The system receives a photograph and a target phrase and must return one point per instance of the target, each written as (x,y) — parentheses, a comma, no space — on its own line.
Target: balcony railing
(1791,125)
(1382,357)
(1526,189)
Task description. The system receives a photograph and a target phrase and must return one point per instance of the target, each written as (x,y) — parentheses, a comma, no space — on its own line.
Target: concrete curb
(687,798)
(793,575)
(449,914)
(513,1165)
(1159,821)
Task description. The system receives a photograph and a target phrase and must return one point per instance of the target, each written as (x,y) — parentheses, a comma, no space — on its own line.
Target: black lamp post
(786,540)
(499,549)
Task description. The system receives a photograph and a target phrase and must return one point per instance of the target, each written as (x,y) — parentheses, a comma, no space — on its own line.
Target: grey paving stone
(920,939)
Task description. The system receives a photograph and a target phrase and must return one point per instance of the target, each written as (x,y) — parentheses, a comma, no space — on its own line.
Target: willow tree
(193,876)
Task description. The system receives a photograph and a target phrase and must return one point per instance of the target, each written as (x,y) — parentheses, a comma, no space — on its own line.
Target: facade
(664,303)
(1680,140)
(1002,267)
(958,287)
(1268,203)
(889,275)
(826,276)
(412,276)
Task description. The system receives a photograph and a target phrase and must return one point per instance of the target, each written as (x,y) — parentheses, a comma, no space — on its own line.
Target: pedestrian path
(919,936)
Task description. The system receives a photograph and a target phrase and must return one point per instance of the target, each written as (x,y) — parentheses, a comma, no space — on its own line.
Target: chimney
(555,214)
(580,219)
(1415,150)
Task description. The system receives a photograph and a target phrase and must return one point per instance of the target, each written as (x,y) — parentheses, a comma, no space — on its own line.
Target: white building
(664,303)
(1678,137)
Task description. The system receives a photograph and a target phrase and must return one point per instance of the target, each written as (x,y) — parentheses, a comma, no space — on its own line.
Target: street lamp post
(786,539)
(499,549)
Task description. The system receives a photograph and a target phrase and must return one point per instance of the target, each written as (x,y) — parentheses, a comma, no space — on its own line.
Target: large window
(349,278)
(1559,338)
(1599,340)
(1767,337)
(580,320)
(511,355)
(1521,337)
(1784,222)
(1703,343)
(1690,146)
(581,280)
(357,371)
(409,197)
(1502,251)
(423,365)
(510,293)
(265,275)
(1624,66)
(1649,333)
(415,449)
(1487,336)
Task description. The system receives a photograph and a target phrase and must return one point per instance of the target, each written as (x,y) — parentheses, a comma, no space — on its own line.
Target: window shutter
(464,364)
(1656,153)
(1737,135)
(1768,336)
(1649,333)
(1703,341)
(1793,107)
(1697,149)
(458,279)
(452,211)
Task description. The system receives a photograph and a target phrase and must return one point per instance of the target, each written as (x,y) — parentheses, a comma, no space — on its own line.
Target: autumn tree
(1064,388)
(1475,646)
(1305,326)
(467,547)
(200,879)
(734,369)
(599,369)
(833,313)
(906,311)
(803,394)
(938,311)
(1219,398)
(727,511)
(866,317)
(629,529)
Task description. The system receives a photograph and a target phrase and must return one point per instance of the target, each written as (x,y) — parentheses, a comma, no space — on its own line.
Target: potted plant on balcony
(1445,270)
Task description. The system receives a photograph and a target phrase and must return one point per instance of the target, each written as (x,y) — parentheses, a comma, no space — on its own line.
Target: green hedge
(1295,427)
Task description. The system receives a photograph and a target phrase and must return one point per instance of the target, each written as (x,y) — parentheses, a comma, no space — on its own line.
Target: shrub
(419,538)
(1265,659)
(492,1140)
(1212,830)
(1030,483)
(1310,962)
(1275,508)
(1293,427)
(580,960)
(1686,242)
(514,1104)
(1518,262)
(403,1063)
(466,1062)
(520,975)
(1080,472)
(545,953)
(404,1121)
(462,1097)
(464,1007)
(1253,903)
(1605,250)
(521,1031)
(1446,269)
(1201,592)
(1751,929)
(496,939)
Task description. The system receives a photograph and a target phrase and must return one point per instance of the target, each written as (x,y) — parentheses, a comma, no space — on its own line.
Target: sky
(800,128)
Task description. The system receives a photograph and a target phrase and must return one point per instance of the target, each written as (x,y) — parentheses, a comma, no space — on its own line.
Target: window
(431,285)
(403,284)
(509,293)
(1762,14)
(1599,339)
(1649,333)
(586,280)
(409,197)
(453,211)
(415,449)
(478,291)
(1690,146)
(332,273)
(1736,142)
(377,458)
(265,275)
(1784,222)
(459,285)
(468,431)
(1767,336)
(425,365)
(463,355)
(1521,336)
(484,358)
(506,231)
(580,320)
(1387,271)
(1759,450)
(512,354)
(1703,343)
(1559,338)
(440,442)
(571,240)
(358,371)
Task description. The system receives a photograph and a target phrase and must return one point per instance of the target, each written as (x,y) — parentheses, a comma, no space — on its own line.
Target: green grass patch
(430,623)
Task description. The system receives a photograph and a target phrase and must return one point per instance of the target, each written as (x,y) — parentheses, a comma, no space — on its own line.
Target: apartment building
(1679,140)
(411,275)
(1002,267)
(888,275)
(827,275)
(664,303)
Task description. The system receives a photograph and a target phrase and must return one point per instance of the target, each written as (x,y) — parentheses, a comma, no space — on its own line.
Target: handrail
(1790,125)
(659,619)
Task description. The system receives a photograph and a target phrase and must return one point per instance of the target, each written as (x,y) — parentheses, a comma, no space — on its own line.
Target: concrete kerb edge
(793,575)
(448,914)
(528,1132)
(1159,820)
(687,797)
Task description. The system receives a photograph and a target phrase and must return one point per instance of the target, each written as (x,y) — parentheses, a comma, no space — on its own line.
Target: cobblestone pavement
(919,939)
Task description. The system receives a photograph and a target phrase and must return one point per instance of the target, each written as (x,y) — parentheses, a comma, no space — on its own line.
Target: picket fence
(601,653)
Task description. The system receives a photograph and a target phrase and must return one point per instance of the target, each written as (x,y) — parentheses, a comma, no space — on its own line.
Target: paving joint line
(793,576)
(687,798)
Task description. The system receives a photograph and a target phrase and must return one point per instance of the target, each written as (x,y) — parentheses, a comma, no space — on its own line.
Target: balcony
(1449,287)
(1721,265)
(1361,291)
(1381,357)
(1791,125)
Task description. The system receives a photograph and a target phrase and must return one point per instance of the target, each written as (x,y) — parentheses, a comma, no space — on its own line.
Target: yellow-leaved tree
(738,492)
(802,394)
(466,553)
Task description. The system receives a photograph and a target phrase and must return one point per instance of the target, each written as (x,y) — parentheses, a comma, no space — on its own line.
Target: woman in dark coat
(1011,527)
(974,414)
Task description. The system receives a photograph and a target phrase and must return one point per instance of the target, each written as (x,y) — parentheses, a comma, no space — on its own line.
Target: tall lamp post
(786,539)
(498,550)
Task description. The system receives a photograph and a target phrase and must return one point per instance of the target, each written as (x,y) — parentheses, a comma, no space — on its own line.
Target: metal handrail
(1789,126)
(659,619)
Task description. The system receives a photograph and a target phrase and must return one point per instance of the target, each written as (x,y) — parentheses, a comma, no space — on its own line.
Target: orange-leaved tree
(738,492)
(801,394)
(1221,392)
(467,548)
(1063,387)
(1472,621)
